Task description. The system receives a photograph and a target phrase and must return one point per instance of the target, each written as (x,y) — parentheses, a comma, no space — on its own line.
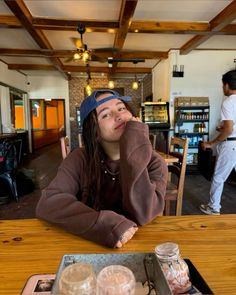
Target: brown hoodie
(132,190)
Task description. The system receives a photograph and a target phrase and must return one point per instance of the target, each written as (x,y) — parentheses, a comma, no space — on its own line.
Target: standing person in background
(103,190)
(226,145)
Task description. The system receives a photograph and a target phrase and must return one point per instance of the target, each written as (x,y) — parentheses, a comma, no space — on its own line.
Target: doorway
(47,121)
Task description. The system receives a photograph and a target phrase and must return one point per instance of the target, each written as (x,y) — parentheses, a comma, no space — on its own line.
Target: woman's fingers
(118,245)
(126,237)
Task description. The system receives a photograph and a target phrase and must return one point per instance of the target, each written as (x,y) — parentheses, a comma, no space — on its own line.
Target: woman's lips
(120,126)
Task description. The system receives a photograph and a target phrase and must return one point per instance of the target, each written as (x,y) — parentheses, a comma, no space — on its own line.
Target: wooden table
(168,158)
(31,247)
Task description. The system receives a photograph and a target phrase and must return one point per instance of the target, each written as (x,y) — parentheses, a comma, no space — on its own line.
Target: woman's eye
(122,109)
(107,115)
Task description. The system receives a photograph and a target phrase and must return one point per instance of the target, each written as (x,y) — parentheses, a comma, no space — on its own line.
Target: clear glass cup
(174,267)
(116,280)
(78,279)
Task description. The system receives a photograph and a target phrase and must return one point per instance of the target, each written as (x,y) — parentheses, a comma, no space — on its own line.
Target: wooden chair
(65,146)
(10,153)
(175,187)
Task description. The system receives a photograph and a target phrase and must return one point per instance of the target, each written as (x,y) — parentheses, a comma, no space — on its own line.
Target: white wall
(50,85)
(12,77)
(5,105)
(161,81)
(203,72)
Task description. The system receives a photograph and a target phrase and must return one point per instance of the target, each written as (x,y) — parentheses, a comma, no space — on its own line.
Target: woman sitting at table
(103,190)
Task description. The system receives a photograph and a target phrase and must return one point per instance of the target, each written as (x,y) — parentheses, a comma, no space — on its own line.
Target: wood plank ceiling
(37,35)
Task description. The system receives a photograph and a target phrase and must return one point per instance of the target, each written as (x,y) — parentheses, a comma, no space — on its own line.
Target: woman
(116,182)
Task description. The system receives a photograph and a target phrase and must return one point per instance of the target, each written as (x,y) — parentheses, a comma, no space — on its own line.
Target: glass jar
(174,267)
(116,280)
(78,279)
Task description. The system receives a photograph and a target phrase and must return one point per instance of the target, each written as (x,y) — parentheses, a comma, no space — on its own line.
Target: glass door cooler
(156,114)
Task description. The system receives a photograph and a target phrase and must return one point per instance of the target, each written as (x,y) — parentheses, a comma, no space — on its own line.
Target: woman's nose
(117,116)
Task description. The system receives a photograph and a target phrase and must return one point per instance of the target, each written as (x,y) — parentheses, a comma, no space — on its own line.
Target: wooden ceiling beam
(168,27)
(155,27)
(68,53)
(31,67)
(23,14)
(106,69)
(136,70)
(9,21)
(143,54)
(228,30)
(125,18)
(35,52)
(224,18)
(71,25)
(69,68)
(142,26)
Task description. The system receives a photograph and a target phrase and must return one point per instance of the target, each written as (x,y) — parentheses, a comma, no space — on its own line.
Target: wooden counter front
(34,247)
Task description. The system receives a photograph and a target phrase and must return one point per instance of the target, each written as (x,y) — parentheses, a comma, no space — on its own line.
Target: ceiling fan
(83,53)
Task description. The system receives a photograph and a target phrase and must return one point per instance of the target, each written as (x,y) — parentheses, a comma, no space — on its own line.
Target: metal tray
(145,267)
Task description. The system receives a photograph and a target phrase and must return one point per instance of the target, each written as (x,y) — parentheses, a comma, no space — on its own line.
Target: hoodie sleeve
(143,175)
(60,206)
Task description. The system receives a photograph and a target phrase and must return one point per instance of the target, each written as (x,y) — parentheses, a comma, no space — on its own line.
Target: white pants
(225,162)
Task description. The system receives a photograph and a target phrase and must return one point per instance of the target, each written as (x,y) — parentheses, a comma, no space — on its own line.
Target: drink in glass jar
(116,280)
(78,279)
(174,267)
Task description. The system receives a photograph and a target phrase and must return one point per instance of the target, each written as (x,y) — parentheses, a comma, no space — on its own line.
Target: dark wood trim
(224,18)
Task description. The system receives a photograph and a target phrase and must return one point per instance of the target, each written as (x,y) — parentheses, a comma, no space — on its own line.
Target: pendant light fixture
(88,88)
(135,83)
(111,84)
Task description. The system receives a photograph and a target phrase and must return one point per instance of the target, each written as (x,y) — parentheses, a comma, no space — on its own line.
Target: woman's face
(112,117)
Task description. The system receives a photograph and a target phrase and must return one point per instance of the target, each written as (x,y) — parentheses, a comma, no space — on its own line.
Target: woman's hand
(126,237)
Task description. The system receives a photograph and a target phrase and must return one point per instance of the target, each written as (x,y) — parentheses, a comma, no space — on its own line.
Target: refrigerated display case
(156,114)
